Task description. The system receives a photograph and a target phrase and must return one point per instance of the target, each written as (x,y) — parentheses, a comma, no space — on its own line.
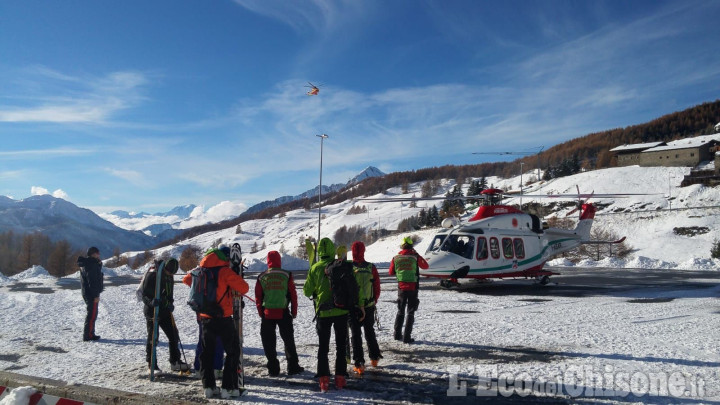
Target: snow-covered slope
(648,221)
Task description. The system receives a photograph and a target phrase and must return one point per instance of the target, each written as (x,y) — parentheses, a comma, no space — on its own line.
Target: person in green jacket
(317,287)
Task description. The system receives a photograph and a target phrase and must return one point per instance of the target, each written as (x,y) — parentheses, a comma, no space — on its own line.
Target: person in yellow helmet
(405,266)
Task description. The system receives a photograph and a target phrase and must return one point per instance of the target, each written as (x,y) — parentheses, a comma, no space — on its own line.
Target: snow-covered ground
(615,339)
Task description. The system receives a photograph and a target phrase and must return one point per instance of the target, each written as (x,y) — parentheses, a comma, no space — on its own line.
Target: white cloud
(74,99)
(37,190)
(59,193)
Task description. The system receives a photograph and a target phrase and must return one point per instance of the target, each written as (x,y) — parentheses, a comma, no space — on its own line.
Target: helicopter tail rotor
(581,203)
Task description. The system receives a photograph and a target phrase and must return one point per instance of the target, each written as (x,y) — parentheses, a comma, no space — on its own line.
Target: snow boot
(226,394)
(179,366)
(340,382)
(157,369)
(324,383)
(273,367)
(359,369)
(374,362)
(211,392)
(295,370)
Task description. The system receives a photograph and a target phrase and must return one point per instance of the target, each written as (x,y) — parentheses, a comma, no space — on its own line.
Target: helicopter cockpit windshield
(461,245)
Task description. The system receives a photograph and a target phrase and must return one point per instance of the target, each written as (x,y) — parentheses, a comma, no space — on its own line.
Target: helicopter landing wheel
(543,280)
(448,283)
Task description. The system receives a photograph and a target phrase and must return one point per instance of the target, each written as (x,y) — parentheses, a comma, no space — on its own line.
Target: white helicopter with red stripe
(501,241)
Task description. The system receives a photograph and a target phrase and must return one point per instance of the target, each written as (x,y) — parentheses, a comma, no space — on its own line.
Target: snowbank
(35,272)
(19,396)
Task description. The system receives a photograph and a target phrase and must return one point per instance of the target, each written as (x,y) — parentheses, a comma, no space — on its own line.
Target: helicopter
(501,241)
(314,90)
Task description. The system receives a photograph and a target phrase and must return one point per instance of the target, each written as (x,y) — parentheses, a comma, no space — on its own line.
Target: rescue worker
(329,318)
(368,279)
(222,326)
(405,266)
(274,290)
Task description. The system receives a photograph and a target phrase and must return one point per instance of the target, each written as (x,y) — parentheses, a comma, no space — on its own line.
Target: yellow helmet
(407,241)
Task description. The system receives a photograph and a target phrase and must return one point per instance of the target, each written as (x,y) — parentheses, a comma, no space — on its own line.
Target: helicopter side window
(482,252)
(519,248)
(507,246)
(461,245)
(494,248)
(436,243)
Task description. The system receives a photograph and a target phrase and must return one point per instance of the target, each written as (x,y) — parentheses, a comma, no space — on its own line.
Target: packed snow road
(591,335)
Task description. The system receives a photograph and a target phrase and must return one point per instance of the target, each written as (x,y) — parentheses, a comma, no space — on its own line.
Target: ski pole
(377,319)
(172,318)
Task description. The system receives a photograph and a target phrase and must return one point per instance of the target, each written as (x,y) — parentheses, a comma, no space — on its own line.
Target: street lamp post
(521,183)
(322,138)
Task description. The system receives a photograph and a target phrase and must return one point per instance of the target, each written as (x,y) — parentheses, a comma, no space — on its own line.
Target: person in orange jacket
(406,267)
(222,326)
(274,291)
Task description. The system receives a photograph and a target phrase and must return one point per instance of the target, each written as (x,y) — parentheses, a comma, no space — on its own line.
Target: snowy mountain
(167,225)
(59,219)
(368,172)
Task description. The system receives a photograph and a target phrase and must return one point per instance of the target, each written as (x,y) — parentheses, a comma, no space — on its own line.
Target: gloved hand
(361,314)
(171,307)
(156,302)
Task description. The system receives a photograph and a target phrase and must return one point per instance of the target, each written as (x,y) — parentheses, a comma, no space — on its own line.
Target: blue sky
(145,105)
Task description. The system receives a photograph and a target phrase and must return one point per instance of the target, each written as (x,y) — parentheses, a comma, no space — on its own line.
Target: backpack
(203,291)
(343,286)
(364,278)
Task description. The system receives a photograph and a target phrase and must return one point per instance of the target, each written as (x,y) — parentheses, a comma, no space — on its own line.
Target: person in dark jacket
(91,284)
(166,307)
(222,326)
(368,279)
(406,267)
(274,291)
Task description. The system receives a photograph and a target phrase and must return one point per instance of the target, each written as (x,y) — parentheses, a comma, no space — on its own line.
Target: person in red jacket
(406,267)
(274,290)
(222,326)
(368,279)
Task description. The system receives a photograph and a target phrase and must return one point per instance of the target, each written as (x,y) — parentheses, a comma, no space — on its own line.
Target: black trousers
(170,331)
(90,318)
(407,300)
(269,342)
(225,329)
(325,327)
(357,328)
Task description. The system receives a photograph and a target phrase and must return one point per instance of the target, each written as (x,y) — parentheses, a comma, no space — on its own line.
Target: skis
(238,304)
(156,319)
(310,248)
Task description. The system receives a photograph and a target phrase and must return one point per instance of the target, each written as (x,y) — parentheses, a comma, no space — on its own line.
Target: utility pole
(322,139)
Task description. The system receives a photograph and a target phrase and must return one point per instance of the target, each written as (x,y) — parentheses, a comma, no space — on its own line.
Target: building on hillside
(628,155)
(683,152)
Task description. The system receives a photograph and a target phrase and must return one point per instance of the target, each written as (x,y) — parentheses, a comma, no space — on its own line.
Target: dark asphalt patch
(28,287)
(515,354)
(457,311)
(50,349)
(650,300)
(12,357)
(534,300)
